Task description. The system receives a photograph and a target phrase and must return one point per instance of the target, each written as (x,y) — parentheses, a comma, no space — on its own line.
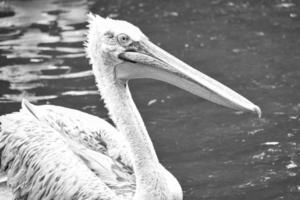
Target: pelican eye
(124,39)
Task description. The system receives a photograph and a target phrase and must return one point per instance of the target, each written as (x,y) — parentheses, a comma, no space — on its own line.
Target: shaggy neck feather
(127,119)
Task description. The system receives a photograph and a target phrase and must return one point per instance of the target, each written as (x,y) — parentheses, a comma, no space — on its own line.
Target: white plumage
(42,164)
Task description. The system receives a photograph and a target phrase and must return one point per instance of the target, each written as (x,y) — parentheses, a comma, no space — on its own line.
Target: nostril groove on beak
(130,50)
(121,56)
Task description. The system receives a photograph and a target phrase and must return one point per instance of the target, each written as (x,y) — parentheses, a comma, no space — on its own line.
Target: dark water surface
(252,46)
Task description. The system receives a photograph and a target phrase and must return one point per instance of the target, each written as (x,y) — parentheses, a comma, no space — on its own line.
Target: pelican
(51,152)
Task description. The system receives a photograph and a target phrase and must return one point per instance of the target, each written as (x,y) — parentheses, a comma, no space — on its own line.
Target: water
(251,46)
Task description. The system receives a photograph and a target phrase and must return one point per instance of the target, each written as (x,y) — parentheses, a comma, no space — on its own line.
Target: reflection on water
(252,46)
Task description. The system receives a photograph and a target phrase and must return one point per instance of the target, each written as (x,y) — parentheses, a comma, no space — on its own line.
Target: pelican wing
(46,159)
(40,164)
(88,130)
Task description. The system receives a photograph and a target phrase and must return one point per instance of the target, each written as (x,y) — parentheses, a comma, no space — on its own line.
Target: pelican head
(119,52)
(126,53)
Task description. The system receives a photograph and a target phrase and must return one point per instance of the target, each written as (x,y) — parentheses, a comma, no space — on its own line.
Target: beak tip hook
(257,110)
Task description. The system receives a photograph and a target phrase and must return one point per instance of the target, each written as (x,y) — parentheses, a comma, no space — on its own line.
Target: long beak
(153,62)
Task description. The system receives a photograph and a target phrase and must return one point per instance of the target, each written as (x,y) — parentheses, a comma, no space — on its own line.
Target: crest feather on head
(101,25)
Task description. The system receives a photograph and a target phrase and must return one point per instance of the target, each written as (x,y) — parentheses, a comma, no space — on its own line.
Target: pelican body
(51,152)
